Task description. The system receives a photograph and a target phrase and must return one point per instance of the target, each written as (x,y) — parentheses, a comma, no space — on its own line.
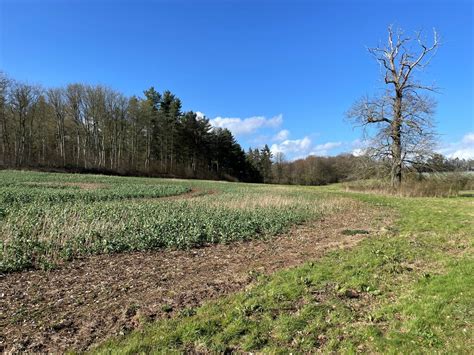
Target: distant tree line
(317,170)
(92,128)
(438,163)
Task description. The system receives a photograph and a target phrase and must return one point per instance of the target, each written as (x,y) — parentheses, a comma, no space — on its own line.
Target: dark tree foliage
(438,163)
(261,161)
(94,128)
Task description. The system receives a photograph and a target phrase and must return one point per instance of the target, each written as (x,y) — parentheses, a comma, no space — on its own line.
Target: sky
(282,73)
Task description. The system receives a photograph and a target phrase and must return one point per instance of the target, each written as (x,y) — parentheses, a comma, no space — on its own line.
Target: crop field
(119,264)
(47,219)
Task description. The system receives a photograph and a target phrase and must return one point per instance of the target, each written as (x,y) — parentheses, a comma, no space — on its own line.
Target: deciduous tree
(402,114)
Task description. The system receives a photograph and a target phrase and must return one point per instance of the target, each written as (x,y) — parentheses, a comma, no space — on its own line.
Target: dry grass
(439,185)
(251,202)
(278,201)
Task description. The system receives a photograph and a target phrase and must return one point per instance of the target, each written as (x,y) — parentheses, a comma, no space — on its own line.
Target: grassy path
(408,290)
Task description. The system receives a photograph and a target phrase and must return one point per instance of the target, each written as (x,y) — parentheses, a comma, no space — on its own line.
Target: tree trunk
(396,171)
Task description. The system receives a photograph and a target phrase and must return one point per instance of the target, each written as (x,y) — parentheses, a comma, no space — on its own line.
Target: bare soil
(89,300)
(193,193)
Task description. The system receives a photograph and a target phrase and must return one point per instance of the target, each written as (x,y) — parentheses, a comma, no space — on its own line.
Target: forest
(95,128)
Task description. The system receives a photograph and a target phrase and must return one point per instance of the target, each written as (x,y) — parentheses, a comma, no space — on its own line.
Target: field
(51,218)
(117,264)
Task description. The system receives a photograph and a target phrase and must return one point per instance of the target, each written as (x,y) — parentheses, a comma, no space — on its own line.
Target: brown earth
(89,300)
(183,196)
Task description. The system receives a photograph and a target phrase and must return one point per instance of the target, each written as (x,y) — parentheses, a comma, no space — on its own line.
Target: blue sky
(276,72)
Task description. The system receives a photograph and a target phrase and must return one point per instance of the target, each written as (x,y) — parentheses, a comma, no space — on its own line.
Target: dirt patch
(92,299)
(193,193)
(190,194)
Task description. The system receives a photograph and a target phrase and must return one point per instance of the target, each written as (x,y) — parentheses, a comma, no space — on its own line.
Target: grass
(407,291)
(49,219)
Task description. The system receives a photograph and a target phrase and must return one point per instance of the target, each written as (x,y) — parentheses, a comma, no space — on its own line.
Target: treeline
(94,128)
(438,163)
(315,170)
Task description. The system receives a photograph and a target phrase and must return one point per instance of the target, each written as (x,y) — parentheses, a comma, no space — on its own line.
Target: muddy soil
(89,300)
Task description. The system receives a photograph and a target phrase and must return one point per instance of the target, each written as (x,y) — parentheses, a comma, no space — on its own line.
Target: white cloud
(464,153)
(323,149)
(295,146)
(200,115)
(301,148)
(462,150)
(251,129)
(468,138)
(359,147)
(246,126)
(281,136)
(328,145)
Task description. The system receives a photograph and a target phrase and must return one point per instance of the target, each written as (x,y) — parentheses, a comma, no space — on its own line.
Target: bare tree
(279,161)
(23,98)
(403,115)
(57,99)
(4,131)
(75,109)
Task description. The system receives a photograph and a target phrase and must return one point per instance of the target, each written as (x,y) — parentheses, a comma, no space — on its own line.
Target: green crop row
(42,237)
(14,195)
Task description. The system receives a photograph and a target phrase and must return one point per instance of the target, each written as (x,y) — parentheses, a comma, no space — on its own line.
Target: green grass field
(405,290)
